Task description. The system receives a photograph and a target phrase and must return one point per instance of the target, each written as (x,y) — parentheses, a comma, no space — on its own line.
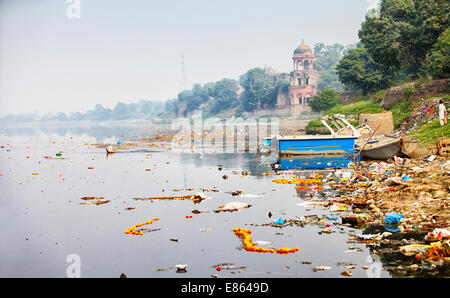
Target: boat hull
(316,145)
(382,152)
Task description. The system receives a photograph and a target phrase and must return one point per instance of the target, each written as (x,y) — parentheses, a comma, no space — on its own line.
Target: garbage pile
(401,207)
(425,112)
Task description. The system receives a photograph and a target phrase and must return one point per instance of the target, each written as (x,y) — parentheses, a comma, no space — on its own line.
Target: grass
(400,112)
(363,106)
(429,133)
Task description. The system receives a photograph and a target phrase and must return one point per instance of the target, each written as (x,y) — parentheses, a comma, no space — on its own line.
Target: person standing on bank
(442,113)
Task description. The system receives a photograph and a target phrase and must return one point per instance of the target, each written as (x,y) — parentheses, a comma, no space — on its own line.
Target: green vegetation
(358,71)
(324,100)
(400,112)
(408,91)
(430,132)
(404,34)
(260,89)
(355,108)
(438,60)
(326,59)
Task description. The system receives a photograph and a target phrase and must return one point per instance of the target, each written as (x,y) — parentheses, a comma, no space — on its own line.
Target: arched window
(307,81)
(300,100)
(306,64)
(300,65)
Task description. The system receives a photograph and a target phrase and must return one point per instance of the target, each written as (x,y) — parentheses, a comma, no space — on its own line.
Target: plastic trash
(332,217)
(431,158)
(181,268)
(236,205)
(390,228)
(406,178)
(279,222)
(441,233)
(392,218)
(260,242)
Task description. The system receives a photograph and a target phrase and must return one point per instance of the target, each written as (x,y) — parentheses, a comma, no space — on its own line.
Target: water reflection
(314,162)
(101,131)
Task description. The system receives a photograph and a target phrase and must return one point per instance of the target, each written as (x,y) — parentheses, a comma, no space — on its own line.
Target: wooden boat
(382,148)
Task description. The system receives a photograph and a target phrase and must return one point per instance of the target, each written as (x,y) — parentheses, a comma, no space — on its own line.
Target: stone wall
(346,96)
(431,88)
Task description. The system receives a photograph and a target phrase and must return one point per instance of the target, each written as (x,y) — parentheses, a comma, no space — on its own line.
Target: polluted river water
(65,200)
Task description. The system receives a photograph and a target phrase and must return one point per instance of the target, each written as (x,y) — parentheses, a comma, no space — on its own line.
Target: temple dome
(302,49)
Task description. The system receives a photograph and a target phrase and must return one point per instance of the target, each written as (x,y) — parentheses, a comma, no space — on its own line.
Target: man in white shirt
(442,113)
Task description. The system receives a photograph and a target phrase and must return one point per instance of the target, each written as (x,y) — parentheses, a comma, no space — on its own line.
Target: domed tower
(303,78)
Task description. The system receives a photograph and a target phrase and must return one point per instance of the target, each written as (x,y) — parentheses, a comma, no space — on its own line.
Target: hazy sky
(130,50)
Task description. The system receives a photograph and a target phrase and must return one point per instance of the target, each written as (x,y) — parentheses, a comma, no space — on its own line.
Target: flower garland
(140,233)
(250,246)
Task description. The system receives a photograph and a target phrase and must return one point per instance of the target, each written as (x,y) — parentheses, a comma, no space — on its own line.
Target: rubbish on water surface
(250,245)
(181,268)
(260,242)
(233,206)
(96,201)
(346,273)
(279,222)
(132,231)
(321,268)
(196,198)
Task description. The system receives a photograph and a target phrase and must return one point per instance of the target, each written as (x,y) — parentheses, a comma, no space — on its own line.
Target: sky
(69,55)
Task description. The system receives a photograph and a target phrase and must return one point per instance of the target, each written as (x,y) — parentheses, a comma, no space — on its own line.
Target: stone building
(303,78)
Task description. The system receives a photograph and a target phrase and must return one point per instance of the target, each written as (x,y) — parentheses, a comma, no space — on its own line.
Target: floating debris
(132,231)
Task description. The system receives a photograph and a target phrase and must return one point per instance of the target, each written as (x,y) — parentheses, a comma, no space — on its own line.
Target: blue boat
(313,145)
(338,143)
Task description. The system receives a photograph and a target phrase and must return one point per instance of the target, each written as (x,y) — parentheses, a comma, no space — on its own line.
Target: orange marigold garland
(250,246)
(139,233)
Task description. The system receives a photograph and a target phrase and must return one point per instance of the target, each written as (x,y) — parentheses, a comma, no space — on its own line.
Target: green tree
(359,71)
(326,58)
(438,60)
(225,95)
(404,33)
(324,100)
(259,89)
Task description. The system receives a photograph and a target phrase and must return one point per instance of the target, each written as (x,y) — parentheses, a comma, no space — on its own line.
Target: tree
(259,89)
(438,60)
(326,58)
(324,100)
(359,71)
(225,95)
(404,33)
